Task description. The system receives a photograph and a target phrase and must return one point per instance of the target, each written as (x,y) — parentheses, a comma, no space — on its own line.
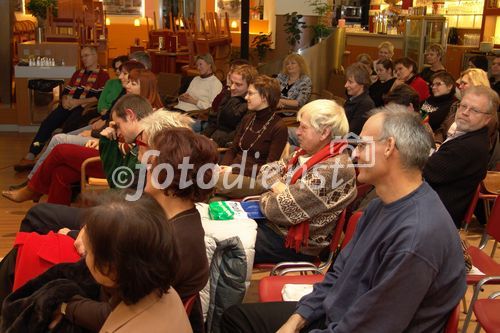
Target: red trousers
(61,169)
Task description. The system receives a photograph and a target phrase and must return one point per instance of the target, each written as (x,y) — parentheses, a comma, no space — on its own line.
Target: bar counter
(366,42)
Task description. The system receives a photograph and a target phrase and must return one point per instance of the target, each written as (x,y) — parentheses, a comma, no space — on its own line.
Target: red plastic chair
(481,260)
(270,286)
(486,310)
(452,323)
(471,208)
(189,302)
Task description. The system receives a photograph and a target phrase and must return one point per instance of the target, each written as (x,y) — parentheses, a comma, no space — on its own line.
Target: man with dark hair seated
(230,106)
(403,270)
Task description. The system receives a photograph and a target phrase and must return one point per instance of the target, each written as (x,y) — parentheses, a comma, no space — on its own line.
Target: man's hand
(110,132)
(78,244)
(278,187)
(65,101)
(293,325)
(94,143)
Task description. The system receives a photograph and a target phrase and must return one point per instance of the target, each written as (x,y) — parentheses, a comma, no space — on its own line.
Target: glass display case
(422,31)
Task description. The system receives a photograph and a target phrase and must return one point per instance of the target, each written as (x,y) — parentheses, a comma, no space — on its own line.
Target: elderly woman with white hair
(309,190)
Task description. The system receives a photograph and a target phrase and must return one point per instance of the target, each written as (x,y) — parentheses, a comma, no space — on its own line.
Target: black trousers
(69,120)
(261,318)
(46,217)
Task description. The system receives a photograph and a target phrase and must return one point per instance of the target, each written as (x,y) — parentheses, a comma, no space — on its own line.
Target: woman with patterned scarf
(308,191)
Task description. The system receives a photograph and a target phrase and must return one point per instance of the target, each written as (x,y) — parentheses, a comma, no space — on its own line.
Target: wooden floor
(14,145)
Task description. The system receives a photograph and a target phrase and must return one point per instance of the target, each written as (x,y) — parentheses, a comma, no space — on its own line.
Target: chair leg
(464,302)
(494,249)
(478,328)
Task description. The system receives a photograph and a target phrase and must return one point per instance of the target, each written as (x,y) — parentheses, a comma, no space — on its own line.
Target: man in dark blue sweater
(403,271)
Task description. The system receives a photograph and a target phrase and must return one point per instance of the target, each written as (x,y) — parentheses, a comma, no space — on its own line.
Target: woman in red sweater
(406,72)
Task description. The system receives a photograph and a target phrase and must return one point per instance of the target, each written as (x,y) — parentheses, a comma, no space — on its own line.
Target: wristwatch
(63,308)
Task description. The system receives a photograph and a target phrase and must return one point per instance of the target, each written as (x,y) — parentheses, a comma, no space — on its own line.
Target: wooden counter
(365,42)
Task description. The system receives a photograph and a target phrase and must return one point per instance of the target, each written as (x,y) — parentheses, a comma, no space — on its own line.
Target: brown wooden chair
(88,184)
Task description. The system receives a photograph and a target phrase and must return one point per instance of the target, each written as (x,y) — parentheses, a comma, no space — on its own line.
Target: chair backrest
(452,323)
(472,206)
(493,226)
(351,227)
(188,303)
(335,242)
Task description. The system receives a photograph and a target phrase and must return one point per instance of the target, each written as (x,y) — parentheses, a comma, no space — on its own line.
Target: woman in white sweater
(203,89)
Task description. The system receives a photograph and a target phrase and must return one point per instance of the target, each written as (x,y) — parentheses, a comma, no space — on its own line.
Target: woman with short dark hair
(260,139)
(385,80)
(436,108)
(359,102)
(131,254)
(406,71)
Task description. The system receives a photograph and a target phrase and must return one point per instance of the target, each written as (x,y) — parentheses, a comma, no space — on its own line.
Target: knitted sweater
(319,196)
(203,89)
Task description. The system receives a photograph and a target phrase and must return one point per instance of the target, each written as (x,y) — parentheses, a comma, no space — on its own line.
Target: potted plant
(293,27)
(38,8)
(320,30)
(262,42)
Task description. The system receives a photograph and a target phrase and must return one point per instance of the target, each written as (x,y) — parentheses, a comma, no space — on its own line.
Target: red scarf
(298,234)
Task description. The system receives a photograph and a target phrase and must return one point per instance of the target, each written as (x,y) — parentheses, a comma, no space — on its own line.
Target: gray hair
(360,74)
(490,94)
(142,57)
(411,138)
(325,113)
(161,119)
(207,57)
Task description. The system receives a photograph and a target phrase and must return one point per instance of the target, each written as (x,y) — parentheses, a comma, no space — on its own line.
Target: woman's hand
(281,104)
(94,143)
(188,99)
(78,244)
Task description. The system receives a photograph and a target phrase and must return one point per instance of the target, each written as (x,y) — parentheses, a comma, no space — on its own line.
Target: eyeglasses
(363,143)
(462,83)
(437,84)
(462,107)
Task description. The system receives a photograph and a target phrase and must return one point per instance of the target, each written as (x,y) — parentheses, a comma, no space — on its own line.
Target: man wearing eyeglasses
(460,164)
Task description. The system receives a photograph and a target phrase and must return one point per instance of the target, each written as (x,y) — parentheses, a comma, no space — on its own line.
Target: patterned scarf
(298,234)
(88,85)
